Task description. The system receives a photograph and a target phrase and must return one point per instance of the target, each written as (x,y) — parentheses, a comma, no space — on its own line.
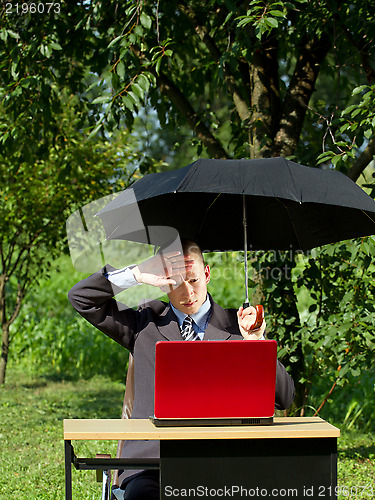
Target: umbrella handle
(259,318)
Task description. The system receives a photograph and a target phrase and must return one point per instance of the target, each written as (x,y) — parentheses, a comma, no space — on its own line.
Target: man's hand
(163,270)
(246,318)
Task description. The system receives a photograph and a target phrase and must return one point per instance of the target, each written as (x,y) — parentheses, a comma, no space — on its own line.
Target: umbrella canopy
(286,205)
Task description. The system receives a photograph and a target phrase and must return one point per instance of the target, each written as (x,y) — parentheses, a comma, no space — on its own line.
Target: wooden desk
(295,457)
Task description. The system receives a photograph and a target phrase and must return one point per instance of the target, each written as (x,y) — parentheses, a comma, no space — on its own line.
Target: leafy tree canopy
(250,79)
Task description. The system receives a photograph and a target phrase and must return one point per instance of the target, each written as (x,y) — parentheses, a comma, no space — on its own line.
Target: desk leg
(68,470)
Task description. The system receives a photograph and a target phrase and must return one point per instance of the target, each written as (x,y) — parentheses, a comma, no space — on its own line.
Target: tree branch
(360,42)
(168,88)
(174,94)
(299,93)
(3,279)
(17,307)
(326,397)
(26,247)
(363,160)
(239,101)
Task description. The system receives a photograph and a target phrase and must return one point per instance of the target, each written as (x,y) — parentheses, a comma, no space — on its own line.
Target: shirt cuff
(123,278)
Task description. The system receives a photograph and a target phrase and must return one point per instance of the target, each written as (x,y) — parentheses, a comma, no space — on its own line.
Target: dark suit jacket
(139,331)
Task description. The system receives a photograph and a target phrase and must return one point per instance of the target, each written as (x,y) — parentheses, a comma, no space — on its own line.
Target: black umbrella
(285,206)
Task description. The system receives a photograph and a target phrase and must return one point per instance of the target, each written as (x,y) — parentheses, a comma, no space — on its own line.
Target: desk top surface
(283,427)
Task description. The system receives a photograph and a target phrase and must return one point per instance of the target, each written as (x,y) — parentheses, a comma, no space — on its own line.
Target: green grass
(32,409)
(356,465)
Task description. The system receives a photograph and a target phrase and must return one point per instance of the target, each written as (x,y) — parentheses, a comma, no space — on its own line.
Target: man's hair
(188,246)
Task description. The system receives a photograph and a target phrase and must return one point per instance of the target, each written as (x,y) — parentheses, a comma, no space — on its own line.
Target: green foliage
(351,406)
(227,278)
(227,70)
(339,338)
(38,65)
(50,338)
(352,129)
(264,16)
(185,58)
(40,191)
(328,341)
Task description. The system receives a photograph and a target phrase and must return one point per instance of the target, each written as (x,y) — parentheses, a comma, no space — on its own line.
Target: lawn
(32,451)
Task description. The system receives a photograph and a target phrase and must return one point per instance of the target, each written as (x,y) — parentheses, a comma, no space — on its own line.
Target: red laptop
(228,382)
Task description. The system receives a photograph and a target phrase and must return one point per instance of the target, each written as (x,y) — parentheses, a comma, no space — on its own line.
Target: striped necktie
(187,330)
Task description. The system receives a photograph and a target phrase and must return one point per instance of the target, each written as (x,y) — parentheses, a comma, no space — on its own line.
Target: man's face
(191,291)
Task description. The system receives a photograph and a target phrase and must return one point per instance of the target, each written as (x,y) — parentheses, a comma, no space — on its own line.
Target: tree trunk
(281,303)
(265,99)
(6,320)
(213,145)
(300,90)
(4,354)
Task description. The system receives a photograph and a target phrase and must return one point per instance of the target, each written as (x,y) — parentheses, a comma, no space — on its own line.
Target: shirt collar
(200,317)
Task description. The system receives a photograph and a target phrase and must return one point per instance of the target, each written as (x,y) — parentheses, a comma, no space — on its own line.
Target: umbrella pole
(246,304)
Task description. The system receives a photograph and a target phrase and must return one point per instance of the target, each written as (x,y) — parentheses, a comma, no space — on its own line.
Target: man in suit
(184,276)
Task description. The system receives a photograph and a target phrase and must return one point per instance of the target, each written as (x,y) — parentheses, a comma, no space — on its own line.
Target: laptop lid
(215,379)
